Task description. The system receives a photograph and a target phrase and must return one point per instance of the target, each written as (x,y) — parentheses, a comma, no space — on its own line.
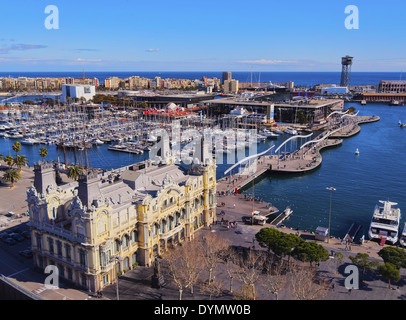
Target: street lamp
(118,258)
(331,189)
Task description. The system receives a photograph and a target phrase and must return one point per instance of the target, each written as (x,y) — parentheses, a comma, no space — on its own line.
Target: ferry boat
(385,223)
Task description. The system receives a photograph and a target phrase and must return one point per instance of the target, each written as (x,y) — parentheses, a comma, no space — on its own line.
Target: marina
(119,133)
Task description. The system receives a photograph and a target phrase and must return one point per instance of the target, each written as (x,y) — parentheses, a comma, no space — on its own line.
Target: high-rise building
(226,76)
(230,86)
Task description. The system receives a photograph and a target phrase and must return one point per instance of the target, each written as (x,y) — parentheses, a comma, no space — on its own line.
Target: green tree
(310,252)
(74,172)
(393,255)
(17,147)
(267,237)
(1,157)
(390,272)
(11,176)
(9,160)
(20,161)
(362,261)
(285,244)
(43,152)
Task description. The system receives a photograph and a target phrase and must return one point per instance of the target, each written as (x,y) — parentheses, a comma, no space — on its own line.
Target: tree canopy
(283,244)
(310,252)
(393,255)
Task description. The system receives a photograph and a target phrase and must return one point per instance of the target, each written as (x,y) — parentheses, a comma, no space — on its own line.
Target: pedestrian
(234,205)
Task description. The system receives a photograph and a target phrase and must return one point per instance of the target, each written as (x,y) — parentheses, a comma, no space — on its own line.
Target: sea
(377,173)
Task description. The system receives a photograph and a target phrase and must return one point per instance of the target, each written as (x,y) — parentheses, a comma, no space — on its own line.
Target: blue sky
(177,35)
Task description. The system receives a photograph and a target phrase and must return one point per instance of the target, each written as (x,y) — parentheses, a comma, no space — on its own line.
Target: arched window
(155,229)
(134,258)
(170,223)
(134,236)
(163,226)
(117,245)
(125,241)
(126,263)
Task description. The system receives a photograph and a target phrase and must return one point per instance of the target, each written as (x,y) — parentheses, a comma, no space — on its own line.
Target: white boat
(402,238)
(29,141)
(15,135)
(385,223)
(269,134)
(97,142)
(357,152)
(290,131)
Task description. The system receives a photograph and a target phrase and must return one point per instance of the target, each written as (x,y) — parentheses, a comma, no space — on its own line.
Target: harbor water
(377,173)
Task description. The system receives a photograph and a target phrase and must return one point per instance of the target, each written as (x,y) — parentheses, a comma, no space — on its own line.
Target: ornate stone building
(108,222)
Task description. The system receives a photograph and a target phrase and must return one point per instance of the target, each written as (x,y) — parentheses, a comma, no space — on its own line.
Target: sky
(210,35)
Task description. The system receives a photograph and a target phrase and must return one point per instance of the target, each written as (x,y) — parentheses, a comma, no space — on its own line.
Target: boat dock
(282,217)
(352,232)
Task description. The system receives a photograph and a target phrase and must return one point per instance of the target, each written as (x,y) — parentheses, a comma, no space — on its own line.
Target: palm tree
(43,152)
(20,161)
(9,160)
(12,176)
(74,172)
(17,147)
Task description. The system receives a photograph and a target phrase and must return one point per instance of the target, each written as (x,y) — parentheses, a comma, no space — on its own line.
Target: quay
(354,127)
(304,160)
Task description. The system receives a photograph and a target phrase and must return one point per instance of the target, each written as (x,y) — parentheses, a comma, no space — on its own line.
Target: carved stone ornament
(32,192)
(76,203)
(50,189)
(168,180)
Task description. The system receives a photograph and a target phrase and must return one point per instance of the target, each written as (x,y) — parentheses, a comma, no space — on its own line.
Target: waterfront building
(381,97)
(112,83)
(77,91)
(226,76)
(392,86)
(106,223)
(334,90)
(230,86)
(313,110)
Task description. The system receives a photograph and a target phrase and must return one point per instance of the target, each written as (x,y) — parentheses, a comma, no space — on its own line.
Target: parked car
(26,234)
(4,235)
(10,241)
(27,253)
(18,237)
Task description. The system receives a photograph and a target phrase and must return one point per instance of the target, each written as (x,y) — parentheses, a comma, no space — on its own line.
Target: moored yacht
(402,238)
(290,131)
(385,222)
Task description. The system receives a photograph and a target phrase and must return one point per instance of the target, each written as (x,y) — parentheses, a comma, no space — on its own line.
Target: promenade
(303,160)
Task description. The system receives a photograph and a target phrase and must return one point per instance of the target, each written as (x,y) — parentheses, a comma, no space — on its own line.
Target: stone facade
(108,222)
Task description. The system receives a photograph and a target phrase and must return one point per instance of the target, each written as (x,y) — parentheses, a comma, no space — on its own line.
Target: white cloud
(87,60)
(20,47)
(153,50)
(267,62)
